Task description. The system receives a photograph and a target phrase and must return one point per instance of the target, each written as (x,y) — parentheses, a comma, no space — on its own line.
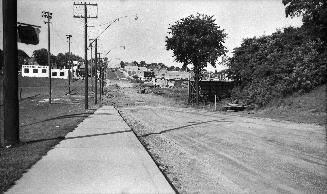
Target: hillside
(303,108)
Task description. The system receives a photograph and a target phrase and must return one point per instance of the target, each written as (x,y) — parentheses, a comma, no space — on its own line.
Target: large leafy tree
(196,40)
(62,60)
(41,56)
(275,66)
(314,15)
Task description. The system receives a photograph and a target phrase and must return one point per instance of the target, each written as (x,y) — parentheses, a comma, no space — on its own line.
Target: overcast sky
(145,38)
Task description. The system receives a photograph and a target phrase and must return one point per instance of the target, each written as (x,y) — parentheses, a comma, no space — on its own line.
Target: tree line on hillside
(290,60)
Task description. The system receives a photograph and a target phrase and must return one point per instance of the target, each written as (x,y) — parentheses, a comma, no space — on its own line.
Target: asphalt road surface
(218,152)
(212,152)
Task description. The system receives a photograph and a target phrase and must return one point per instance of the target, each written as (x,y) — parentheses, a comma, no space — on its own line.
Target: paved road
(208,152)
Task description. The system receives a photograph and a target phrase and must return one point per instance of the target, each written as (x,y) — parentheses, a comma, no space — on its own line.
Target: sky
(144,38)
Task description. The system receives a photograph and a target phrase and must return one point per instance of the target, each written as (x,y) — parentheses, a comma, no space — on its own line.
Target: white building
(43,71)
(135,70)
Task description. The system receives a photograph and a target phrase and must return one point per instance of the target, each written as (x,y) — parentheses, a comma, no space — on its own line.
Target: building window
(26,70)
(44,70)
(62,73)
(54,73)
(35,71)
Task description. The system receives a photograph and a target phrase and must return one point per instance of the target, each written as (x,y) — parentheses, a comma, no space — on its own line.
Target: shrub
(277,65)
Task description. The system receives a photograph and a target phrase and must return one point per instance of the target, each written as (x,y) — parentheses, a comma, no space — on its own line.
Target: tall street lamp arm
(112,22)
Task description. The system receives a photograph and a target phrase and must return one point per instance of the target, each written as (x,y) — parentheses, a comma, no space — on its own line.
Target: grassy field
(42,125)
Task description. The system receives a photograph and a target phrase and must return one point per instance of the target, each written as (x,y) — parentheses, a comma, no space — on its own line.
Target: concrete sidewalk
(102,155)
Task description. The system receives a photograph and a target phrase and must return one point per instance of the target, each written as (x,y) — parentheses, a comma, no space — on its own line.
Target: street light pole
(48,15)
(69,62)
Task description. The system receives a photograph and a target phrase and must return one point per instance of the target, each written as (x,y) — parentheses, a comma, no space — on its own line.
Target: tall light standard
(69,62)
(48,16)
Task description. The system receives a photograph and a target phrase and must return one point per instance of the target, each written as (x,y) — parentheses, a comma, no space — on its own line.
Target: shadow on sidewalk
(77,137)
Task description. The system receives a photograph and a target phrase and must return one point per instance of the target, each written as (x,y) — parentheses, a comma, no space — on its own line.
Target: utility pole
(69,36)
(10,75)
(85,47)
(96,72)
(102,79)
(100,76)
(48,15)
(91,46)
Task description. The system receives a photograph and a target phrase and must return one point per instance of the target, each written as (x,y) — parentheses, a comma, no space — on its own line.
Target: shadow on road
(178,128)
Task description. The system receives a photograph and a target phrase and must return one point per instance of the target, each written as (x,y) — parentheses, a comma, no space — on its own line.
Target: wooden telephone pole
(10,75)
(100,68)
(85,16)
(96,72)
(91,46)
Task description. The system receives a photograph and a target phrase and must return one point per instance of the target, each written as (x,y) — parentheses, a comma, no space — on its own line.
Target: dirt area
(202,151)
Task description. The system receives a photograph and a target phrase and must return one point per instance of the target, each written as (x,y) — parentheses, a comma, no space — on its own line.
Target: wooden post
(49,61)
(10,75)
(86,62)
(96,72)
(215,103)
(100,84)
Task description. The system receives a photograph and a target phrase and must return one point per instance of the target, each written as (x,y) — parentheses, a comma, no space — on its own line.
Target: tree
(41,56)
(274,66)
(22,57)
(142,64)
(314,14)
(62,60)
(196,40)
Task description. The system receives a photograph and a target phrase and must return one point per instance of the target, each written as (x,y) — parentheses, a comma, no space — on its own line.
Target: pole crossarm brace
(90,44)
